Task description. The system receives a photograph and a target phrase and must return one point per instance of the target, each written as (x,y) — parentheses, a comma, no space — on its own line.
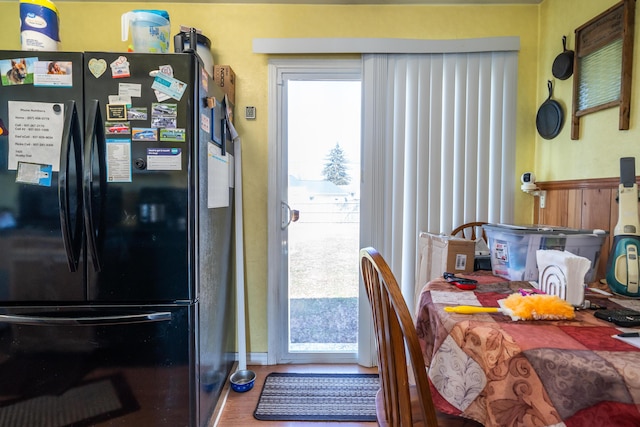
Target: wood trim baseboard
(593,184)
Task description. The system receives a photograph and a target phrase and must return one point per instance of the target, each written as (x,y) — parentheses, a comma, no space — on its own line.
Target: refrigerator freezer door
(35,265)
(129,366)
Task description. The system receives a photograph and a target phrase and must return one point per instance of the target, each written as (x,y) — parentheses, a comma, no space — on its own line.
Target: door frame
(277,266)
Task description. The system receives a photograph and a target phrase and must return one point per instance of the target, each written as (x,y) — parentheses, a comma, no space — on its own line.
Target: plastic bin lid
(541,229)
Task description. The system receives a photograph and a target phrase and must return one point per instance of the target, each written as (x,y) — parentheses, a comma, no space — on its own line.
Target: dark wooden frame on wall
(615,23)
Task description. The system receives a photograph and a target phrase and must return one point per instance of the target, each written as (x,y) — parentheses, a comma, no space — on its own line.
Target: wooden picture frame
(603,64)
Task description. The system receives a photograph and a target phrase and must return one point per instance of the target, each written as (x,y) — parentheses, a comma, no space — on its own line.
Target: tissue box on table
(562,273)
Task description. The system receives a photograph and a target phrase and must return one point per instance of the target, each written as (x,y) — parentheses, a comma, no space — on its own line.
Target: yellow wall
(231,28)
(596,154)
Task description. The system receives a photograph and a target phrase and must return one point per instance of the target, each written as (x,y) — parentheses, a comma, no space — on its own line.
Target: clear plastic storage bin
(513,248)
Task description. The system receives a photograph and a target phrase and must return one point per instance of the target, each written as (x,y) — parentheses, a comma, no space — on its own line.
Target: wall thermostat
(250,113)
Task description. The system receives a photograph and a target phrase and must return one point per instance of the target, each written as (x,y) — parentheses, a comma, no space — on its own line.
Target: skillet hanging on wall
(563,64)
(550,116)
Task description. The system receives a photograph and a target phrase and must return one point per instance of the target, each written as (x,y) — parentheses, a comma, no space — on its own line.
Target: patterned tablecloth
(525,373)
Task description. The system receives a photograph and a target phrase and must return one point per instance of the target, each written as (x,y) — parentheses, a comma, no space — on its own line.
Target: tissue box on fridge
(513,248)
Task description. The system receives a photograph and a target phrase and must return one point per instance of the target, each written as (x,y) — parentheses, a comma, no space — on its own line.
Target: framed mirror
(603,63)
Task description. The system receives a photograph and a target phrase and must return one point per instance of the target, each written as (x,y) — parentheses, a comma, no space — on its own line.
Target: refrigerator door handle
(71,140)
(94,132)
(159,316)
(223,136)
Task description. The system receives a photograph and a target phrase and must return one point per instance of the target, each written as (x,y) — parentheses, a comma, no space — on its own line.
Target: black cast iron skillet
(563,64)
(550,116)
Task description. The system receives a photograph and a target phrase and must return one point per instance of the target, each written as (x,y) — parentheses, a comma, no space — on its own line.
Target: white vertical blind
(441,130)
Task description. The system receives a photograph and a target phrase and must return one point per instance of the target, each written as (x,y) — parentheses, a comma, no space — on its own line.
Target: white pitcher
(149,30)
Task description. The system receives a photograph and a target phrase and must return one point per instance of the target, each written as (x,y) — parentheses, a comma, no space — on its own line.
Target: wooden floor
(238,408)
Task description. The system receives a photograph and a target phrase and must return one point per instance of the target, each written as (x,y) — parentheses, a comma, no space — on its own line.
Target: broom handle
(239,235)
(470,309)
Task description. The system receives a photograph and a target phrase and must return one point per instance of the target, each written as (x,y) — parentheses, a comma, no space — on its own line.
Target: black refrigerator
(116,220)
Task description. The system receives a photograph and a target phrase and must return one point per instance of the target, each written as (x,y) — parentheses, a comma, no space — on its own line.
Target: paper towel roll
(562,273)
(39,25)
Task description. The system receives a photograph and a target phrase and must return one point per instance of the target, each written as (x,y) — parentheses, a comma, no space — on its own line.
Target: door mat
(318,397)
(84,405)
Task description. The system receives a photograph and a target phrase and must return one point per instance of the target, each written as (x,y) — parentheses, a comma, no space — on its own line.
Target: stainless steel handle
(160,316)
(288,215)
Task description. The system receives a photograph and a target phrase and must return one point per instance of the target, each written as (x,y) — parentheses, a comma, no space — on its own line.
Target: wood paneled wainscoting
(585,204)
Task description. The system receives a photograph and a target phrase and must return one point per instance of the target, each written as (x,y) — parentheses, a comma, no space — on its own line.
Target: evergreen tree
(335,170)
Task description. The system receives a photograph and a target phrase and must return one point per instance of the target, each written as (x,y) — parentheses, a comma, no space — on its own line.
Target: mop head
(537,307)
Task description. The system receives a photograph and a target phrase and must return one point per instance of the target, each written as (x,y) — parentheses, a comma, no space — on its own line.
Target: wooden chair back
(395,331)
(470,231)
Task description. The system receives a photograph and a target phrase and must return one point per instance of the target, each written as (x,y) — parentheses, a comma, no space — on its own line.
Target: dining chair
(398,402)
(470,230)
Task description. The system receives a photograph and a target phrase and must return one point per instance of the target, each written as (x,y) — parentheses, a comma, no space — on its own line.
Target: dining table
(503,372)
